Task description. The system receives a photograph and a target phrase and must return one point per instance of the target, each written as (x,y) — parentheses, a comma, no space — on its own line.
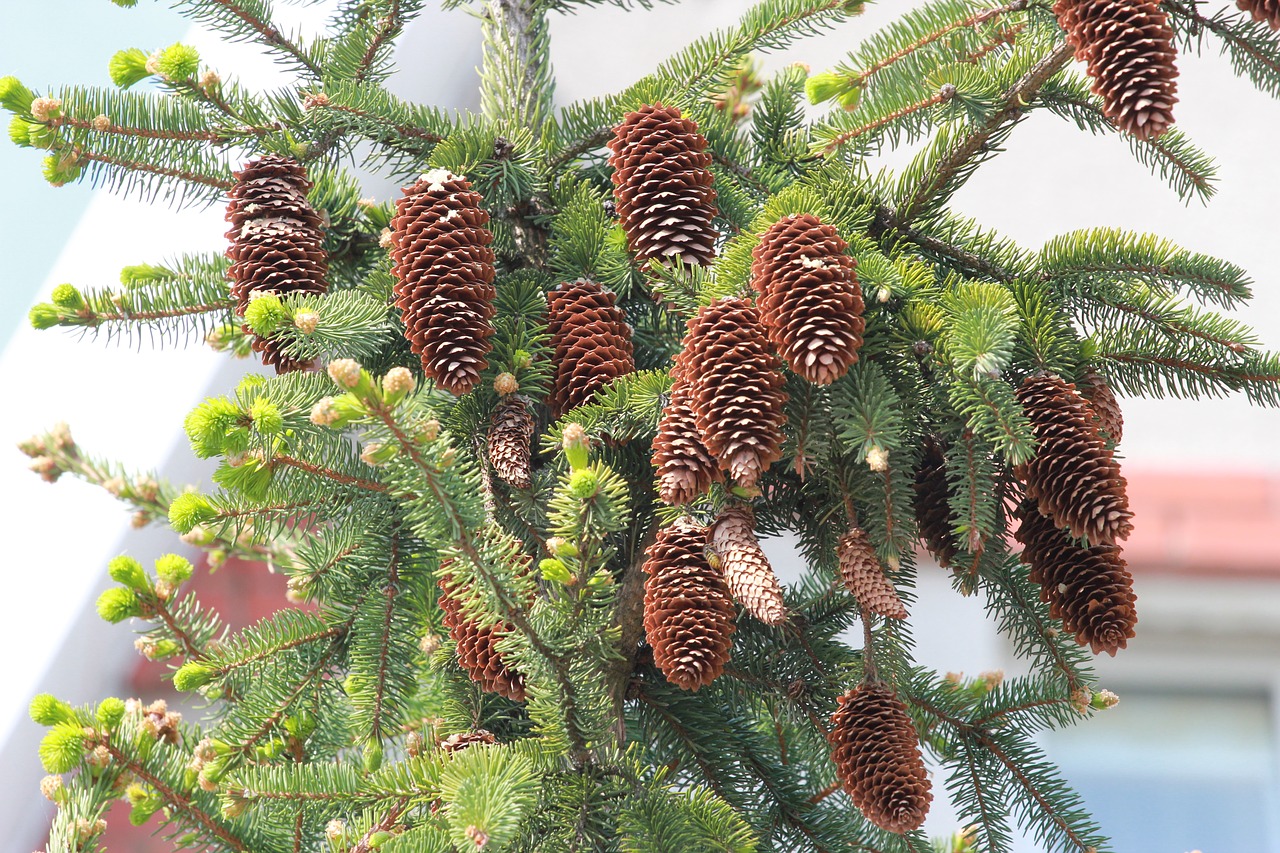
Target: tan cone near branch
(1129,49)
(688,615)
(443,269)
(1089,589)
(1073,477)
(591,342)
(864,576)
(747,571)
(510,434)
(460,741)
(809,297)
(877,756)
(662,186)
(277,242)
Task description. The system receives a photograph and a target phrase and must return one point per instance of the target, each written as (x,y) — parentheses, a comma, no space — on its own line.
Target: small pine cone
(477,647)
(443,269)
(1073,477)
(932,506)
(688,615)
(1089,589)
(737,397)
(277,242)
(1263,10)
(747,571)
(1094,388)
(462,740)
(509,437)
(685,468)
(877,756)
(863,576)
(809,297)
(591,340)
(662,186)
(1128,46)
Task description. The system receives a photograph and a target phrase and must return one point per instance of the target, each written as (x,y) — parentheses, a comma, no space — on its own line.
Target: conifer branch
(330,474)
(372,837)
(269,34)
(387,30)
(939,97)
(222,184)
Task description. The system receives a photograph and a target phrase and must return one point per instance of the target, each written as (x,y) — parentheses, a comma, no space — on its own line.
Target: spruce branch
(840,139)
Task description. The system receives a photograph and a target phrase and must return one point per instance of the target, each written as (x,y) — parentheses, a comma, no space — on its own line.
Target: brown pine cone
(685,468)
(747,571)
(1263,11)
(1074,477)
(477,647)
(462,740)
(931,503)
(877,756)
(509,436)
(662,186)
(1128,46)
(443,269)
(1106,408)
(737,397)
(863,576)
(591,340)
(809,297)
(1089,589)
(688,615)
(277,242)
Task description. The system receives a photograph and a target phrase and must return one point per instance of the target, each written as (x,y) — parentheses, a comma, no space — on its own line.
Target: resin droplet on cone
(688,615)
(277,242)
(443,269)
(809,297)
(877,756)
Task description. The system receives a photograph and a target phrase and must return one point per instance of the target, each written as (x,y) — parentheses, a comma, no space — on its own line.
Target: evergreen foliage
(328,726)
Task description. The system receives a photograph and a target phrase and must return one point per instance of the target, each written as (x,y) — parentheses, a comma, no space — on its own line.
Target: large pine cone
(1089,589)
(1074,477)
(509,436)
(1106,408)
(863,576)
(592,342)
(1128,46)
(810,300)
(662,186)
(932,504)
(277,242)
(737,397)
(747,571)
(688,615)
(443,270)
(685,469)
(1263,10)
(477,647)
(877,756)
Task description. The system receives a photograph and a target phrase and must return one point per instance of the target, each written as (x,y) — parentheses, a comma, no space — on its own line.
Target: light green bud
(110,712)
(128,67)
(174,569)
(178,62)
(48,710)
(128,571)
(188,510)
(15,97)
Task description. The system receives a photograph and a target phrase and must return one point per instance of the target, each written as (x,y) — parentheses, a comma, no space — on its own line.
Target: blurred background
(1188,760)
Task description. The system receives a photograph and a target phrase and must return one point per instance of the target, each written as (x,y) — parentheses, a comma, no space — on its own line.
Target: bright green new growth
(329,725)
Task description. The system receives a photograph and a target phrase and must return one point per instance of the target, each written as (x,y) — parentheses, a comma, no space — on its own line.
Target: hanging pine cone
(662,186)
(877,756)
(277,242)
(931,503)
(863,576)
(809,297)
(591,340)
(747,571)
(443,269)
(462,740)
(737,397)
(477,647)
(1074,477)
(685,468)
(1128,46)
(1263,11)
(509,436)
(688,615)
(1089,589)
(1094,388)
